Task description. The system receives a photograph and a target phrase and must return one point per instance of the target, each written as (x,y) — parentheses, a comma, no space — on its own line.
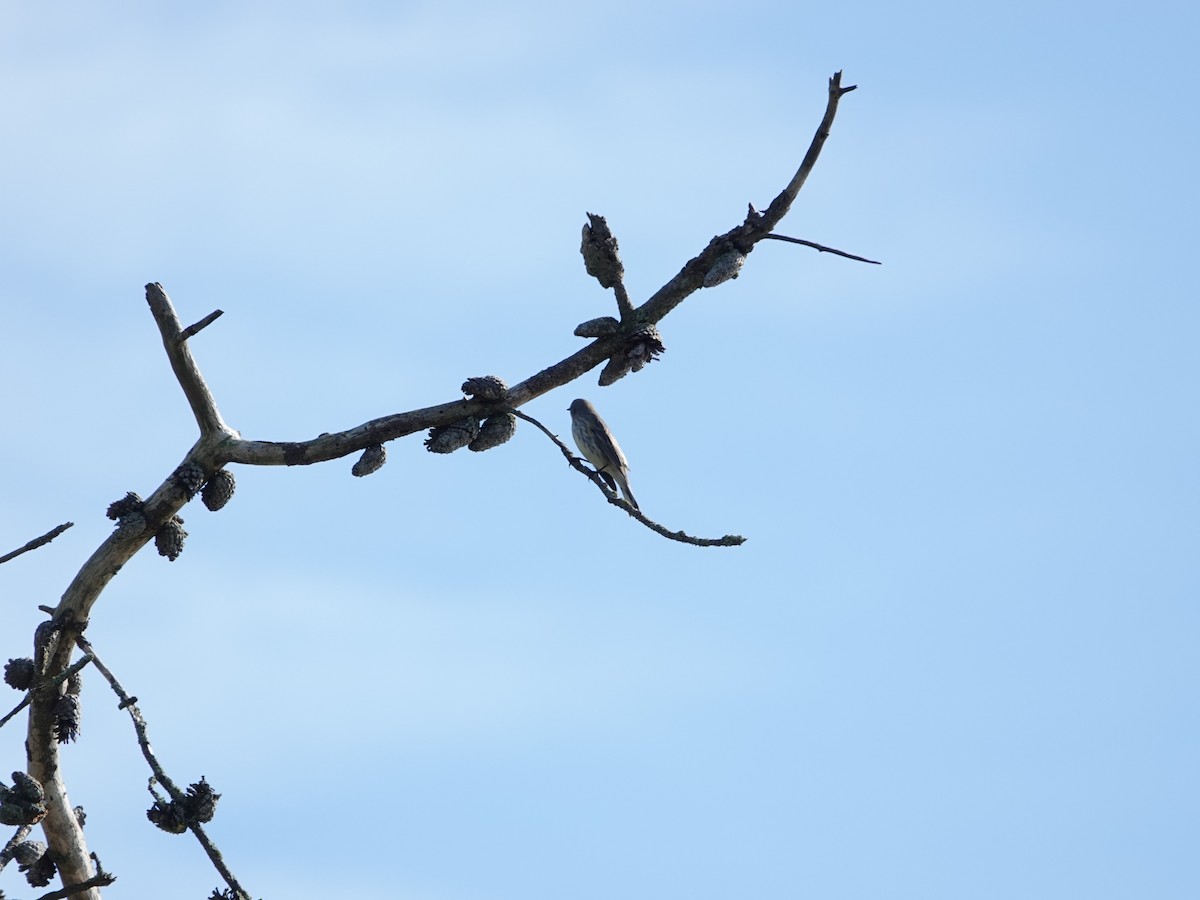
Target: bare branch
(37,542)
(100,879)
(624,304)
(218,861)
(781,204)
(820,247)
(139,723)
(729,540)
(10,848)
(204,407)
(196,327)
(754,229)
(129,704)
(54,641)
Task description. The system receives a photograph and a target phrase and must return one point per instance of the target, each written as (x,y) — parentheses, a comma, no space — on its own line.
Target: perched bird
(599,447)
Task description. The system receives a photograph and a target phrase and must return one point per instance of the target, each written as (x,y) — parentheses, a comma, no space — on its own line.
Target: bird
(599,447)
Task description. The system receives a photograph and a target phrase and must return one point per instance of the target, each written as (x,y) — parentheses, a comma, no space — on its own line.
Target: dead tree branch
(99,880)
(6,854)
(54,641)
(196,327)
(37,542)
(729,540)
(129,704)
(218,445)
(757,226)
(821,247)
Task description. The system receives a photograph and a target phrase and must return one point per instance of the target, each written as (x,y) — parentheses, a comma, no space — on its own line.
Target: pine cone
(218,489)
(168,816)
(189,477)
(496,430)
(485,387)
(18,673)
(27,853)
(601,327)
(201,803)
(599,249)
(371,461)
(725,267)
(131,502)
(67,712)
(168,540)
(42,872)
(455,436)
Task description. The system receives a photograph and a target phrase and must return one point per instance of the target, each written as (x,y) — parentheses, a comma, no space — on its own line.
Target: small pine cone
(75,684)
(27,789)
(618,367)
(485,387)
(168,540)
(67,711)
(80,816)
(13,814)
(218,489)
(495,431)
(372,460)
(132,523)
(167,816)
(18,673)
(455,436)
(725,267)
(201,803)
(27,853)
(644,345)
(189,477)
(42,872)
(601,327)
(18,809)
(130,503)
(599,249)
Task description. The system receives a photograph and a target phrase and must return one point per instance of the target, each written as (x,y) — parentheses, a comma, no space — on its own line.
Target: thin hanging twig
(729,540)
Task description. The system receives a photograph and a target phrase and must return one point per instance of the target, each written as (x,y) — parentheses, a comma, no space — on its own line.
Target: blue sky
(955,658)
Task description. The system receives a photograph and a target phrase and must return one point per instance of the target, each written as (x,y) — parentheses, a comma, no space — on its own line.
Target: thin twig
(780,205)
(10,848)
(821,247)
(100,879)
(624,304)
(139,723)
(217,859)
(755,228)
(37,542)
(729,540)
(196,327)
(129,704)
(57,679)
(187,373)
